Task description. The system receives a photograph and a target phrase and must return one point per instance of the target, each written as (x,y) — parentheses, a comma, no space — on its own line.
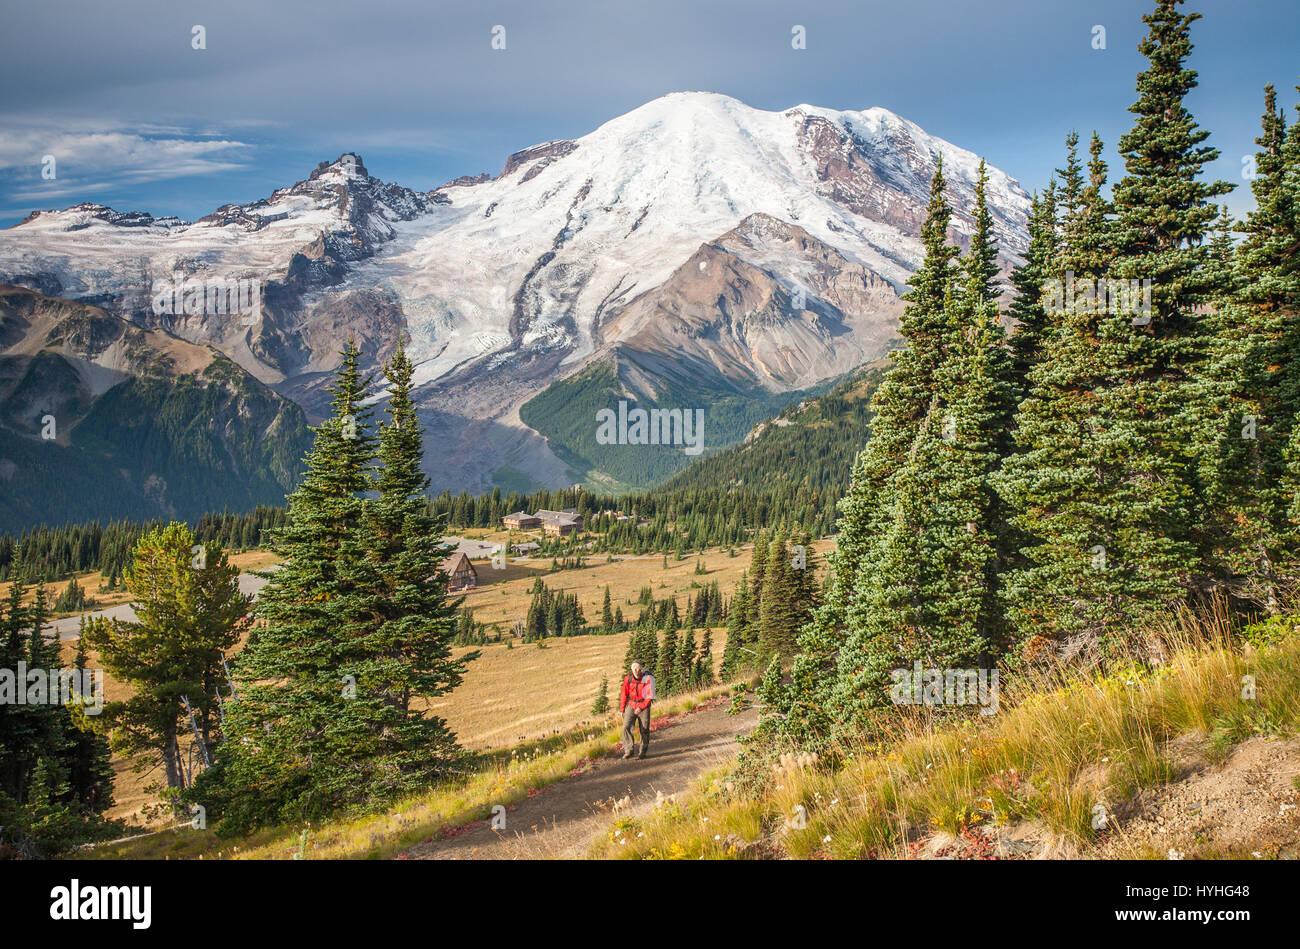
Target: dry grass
(509,695)
(525,693)
(501,777)
(90,581)
(1057,749)
(503,597)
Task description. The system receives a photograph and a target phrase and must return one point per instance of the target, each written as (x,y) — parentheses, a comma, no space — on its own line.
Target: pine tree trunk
(172,761)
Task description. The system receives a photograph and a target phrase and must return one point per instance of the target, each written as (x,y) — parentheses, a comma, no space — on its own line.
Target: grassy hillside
(1177,757)
(502,777)
(488,711)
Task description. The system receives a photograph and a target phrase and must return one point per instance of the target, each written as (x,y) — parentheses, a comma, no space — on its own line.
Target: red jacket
(640,692)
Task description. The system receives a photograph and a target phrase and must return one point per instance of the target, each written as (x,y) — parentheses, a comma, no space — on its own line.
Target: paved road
(68,626)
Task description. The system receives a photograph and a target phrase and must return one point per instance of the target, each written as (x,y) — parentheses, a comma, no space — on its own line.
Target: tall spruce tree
(703,672)
(733,659)
(90,768)
(687,671)
(403,627)
(1254,377)
(781,613)
(1283,265)
(667,671)
(932,590)
(1164,209)
(1033,321)
(867,514)
(290,755)
(607,614)
(18,746)
(1101,482)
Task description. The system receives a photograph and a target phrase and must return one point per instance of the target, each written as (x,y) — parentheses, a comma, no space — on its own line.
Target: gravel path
(563,819)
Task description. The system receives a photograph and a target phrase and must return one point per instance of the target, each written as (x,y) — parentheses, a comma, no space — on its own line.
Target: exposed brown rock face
(850,179)
(539,156)
(765,304)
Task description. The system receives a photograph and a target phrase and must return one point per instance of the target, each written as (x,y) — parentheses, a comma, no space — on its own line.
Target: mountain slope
(567,414)
(811,443)
(706,246)
(101,419)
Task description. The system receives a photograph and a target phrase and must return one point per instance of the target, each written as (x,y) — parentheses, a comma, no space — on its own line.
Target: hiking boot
(641,755)
(626,755)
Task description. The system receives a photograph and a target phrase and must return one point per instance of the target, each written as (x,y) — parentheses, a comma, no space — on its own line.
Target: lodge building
(554,523)
(559,523)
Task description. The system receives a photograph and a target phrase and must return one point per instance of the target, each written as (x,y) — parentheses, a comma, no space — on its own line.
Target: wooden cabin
(461,574)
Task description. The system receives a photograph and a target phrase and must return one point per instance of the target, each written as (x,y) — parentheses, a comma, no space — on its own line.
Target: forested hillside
(809,445)
(566,414)
(100,419)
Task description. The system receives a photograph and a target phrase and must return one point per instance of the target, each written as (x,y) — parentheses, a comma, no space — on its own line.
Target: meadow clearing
(511,694)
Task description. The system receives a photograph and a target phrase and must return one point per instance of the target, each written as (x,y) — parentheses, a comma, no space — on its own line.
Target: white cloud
(93,155)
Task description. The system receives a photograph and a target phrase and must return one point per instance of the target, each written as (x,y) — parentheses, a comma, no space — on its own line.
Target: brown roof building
(558,523)
(461,574)
(521,520)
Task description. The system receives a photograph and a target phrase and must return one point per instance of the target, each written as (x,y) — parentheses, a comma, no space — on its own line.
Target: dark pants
(642,721)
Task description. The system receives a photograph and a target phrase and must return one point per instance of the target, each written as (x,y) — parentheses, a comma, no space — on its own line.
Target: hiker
(634,702)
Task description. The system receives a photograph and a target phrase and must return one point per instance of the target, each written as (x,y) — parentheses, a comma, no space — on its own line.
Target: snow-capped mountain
(694,236)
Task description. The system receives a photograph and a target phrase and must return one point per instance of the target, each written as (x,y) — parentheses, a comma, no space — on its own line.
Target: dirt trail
(561,820)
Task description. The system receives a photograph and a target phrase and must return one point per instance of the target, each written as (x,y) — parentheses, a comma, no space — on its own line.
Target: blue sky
(138,119)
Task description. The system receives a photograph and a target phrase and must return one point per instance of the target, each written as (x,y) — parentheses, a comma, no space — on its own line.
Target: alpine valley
(692,253)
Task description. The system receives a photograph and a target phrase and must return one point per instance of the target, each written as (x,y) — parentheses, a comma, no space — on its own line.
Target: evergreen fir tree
(668,671)
(290,755)
(90,769)
(601,705)
(686,676)
(757,577)
(1164,209)
(1254,377)
(779,613)
(630,653)
(1100,482)
(1033,322)
(902,404)
(932,591)
(703,672)
(737,624)
(20,730)
(403,625)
